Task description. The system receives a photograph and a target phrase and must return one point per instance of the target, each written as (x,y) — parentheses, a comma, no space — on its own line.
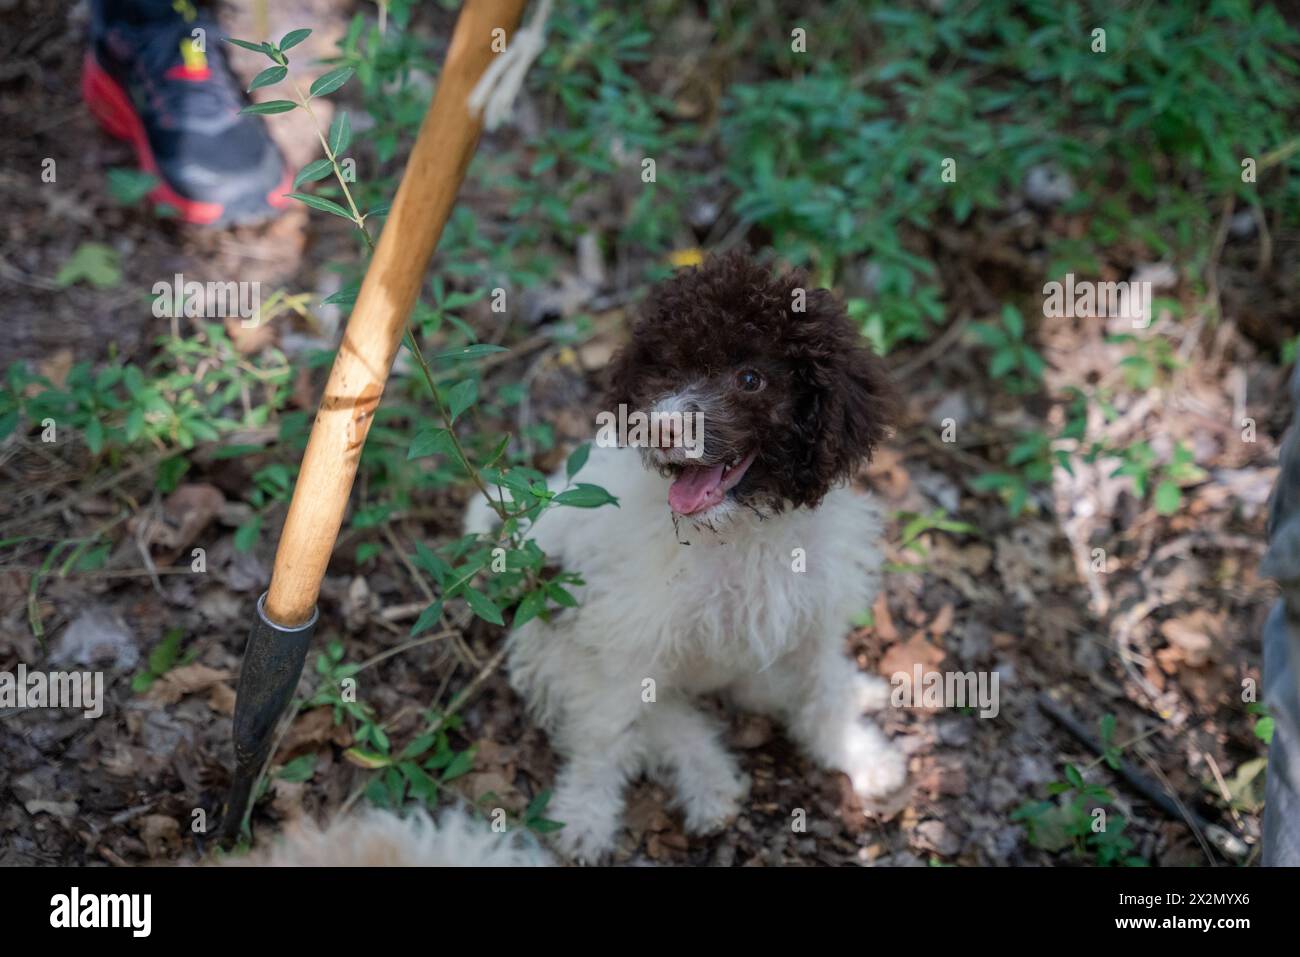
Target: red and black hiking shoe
(171,95)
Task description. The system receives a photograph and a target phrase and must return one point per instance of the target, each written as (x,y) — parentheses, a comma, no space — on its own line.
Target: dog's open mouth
(697,488)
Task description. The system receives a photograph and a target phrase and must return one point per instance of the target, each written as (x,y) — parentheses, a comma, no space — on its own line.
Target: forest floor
(1163,634)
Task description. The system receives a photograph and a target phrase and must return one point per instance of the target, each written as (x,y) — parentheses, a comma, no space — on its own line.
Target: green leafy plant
(1079,816)
(916,525)
(1264,724)
(94,263)
(1167,480)
(165,656)
(1014,361)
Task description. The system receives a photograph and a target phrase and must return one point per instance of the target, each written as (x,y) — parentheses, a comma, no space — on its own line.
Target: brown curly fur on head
(825,401)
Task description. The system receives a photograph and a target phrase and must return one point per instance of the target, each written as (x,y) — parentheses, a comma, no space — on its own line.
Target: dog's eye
(748,380)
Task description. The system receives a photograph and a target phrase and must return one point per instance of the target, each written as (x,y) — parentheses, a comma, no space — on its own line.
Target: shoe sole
(111,107)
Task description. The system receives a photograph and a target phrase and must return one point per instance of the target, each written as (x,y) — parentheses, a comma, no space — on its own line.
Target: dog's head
(790,398)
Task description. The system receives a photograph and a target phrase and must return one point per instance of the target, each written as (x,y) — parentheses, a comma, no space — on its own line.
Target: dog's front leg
(827,720)
(589,790)
(685,746)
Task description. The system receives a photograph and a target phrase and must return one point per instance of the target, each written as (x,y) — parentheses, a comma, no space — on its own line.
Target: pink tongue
(692,488)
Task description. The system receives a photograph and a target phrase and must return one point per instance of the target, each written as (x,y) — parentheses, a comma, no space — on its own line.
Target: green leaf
(1107,728)
(318,169)
(367,759)
(293,38)
(129,186)
(459,765)
(94,559)
(491,459)
(94,436)
(561,596)
(418,746)
(538,804)
(331,81)
(1003,362)
(428,560)
(268,77)
(1073,776)
(299,769)
(534,604)
(989,335)
(585,496)
(1264,728)
(577,459)
(461,396)
(134,424)
(367,551)
(315,202)
(483,606)
(435,441)
(165,653)
(428,618)
(423,787)
(247,45)
(344,297)
(96,263)
(1014,322)
(340,133)
(471,352)
(270,106)
(1168,496)
(246,535)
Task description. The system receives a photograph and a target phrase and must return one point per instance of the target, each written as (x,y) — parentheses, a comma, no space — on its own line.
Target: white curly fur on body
(376,838)
(696,610)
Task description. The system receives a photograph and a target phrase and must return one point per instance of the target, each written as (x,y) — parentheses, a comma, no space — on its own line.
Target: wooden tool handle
(424,200)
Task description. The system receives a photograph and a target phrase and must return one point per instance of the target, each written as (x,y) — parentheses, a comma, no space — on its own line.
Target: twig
(405,646)
(1223,786)
(1194,821)
(1212,267)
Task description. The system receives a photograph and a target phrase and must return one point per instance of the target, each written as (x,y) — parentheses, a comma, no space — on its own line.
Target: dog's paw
(871,692)
(588,834)
(714,804)
(874,765)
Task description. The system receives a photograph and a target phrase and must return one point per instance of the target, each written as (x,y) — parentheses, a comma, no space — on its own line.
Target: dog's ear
(869,405)
(847,402)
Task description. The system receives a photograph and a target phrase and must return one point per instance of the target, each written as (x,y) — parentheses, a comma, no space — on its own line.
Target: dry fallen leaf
(887,473)
(185,514)
(1193,636)
(222,699)
(942,622)
(309,729)
(161,834)
(185,680)
(884,621)
(56,367)
(905,654)
(249,339)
